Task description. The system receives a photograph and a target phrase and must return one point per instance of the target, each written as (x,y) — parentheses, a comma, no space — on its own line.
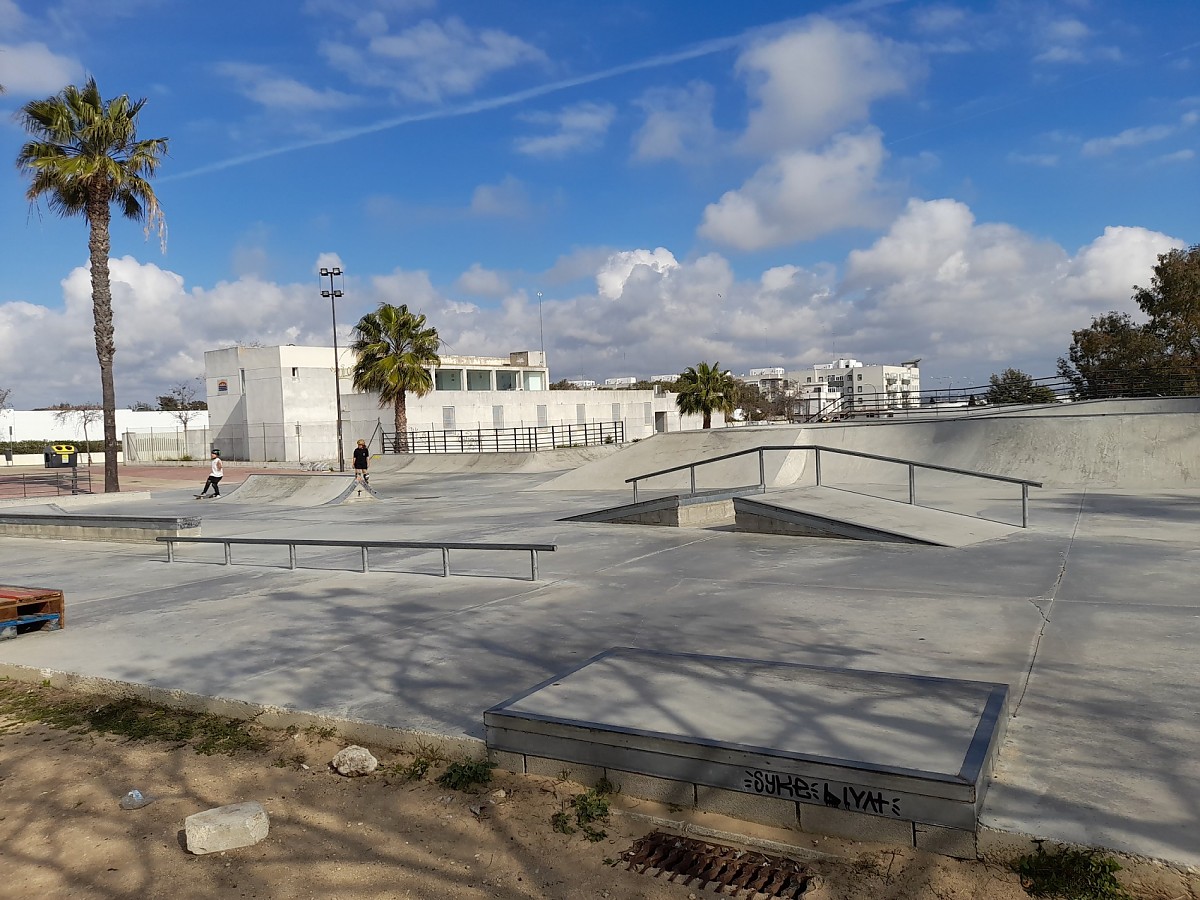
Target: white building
(849,387)
(583,384)
(622,382)
(771,381)
(278,403)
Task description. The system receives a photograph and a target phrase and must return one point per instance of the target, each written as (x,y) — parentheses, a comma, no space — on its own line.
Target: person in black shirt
(361,457)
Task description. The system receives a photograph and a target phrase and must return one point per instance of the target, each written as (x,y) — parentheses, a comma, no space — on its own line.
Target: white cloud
(1068,41)
(482,282)
(987,295)
(678,125)
(507,199)
(969,297)
(818,79)
(1136,137)
(431,61)
(276,92)
(11,17)
(581,126)
(1045,160)
(32,69)
(620,267)
(801,195)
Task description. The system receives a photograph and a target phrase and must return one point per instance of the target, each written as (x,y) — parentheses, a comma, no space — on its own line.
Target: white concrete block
(226,827)
(855,825)
(750,807)
(647,787)
(956,842)
(567,771)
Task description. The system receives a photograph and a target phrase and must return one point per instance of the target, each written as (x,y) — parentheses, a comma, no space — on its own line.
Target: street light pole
(337,375)
(541,334)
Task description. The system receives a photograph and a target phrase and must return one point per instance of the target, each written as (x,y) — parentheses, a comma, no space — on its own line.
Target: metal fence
(505,440)
(53,483)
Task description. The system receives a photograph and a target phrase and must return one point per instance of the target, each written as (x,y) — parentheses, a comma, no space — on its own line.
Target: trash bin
(60,456)
(8,456)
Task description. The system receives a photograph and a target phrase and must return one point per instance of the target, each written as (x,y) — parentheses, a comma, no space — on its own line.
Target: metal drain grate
(724,867)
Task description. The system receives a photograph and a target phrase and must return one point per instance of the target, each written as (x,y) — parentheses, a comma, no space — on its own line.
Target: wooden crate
(31,608)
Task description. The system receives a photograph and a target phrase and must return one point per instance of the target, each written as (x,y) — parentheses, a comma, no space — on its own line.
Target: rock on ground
(355,760)
(226,827)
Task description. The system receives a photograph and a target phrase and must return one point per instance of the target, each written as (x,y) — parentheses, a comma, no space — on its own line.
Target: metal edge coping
(985,732)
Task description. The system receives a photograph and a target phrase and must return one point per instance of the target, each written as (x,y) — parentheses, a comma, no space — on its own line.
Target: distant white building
(583,384)
(771,381)
(622,382)
(279,403)
(849,387)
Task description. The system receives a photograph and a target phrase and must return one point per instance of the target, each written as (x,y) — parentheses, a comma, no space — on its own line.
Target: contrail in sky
(707,48)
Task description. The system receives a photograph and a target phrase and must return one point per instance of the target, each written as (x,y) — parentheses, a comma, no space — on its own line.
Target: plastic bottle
(135,800)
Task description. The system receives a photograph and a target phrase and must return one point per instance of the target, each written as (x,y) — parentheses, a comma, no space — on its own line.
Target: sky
(634,187)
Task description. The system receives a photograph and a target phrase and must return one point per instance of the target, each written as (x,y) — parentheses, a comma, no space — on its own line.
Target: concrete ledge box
(860,754)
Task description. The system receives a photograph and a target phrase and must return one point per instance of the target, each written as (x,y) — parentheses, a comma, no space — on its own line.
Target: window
(616,412)
(447,418)
(295,371)
(506,381)
(860,376)
(809,380)
(242,377)
(581,413)
(543,418)
(497,417)
(648,412)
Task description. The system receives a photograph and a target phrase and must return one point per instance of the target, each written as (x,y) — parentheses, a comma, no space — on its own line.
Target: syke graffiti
(836,796)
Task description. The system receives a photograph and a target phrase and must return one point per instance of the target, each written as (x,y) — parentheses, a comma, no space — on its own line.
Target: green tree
(394,349)
(1172,304)
(84,157)
(1014,386)
(1113,357)
(705,389)
(1116,356)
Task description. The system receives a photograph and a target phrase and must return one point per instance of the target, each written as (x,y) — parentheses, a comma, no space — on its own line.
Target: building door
(660,422)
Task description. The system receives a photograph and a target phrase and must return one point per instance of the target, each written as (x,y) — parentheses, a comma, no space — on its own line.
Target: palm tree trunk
(401,423)
(707,419)
(98,249)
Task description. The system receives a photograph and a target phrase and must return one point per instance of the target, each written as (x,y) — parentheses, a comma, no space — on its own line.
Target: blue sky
(760,183)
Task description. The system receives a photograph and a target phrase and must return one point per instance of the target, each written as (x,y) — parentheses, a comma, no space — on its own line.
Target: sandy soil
(62,833)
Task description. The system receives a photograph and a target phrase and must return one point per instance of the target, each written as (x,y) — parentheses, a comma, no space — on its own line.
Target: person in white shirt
(214,477)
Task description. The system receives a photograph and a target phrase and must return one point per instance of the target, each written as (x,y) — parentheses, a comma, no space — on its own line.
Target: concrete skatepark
(1090,615)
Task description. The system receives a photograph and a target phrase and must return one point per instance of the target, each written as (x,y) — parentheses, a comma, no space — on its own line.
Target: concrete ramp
(542,461)
(831,513)
(661,451)
(674,510)
(299,490)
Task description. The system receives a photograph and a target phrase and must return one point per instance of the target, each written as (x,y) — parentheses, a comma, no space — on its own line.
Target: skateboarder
(214,478)
(361,457)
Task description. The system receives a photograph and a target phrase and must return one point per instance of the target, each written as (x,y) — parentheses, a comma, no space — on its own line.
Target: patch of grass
(465,775)
(130,719)
(325,732)
(1070,874)
(585,810)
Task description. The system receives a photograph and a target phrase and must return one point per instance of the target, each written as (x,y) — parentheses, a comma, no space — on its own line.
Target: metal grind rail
(817,449)
(363,546)
(732,871)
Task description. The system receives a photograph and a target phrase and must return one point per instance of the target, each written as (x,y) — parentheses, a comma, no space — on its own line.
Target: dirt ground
(63,834)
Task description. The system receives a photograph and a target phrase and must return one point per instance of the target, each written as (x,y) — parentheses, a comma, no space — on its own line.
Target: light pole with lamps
(337,375)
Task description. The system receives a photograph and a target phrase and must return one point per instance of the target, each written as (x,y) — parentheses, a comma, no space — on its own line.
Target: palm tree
(705,389)
(394,347)
(84,157)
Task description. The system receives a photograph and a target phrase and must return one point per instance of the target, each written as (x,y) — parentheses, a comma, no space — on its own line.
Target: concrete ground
(1091,616)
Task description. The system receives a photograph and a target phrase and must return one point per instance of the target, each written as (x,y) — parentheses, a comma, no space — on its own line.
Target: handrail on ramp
(293,543)
(817,449)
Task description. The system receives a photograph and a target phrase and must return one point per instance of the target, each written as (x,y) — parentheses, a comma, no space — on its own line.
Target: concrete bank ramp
(299,490)
(1151,443)
(541,461)
(830,513)
(661,451)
